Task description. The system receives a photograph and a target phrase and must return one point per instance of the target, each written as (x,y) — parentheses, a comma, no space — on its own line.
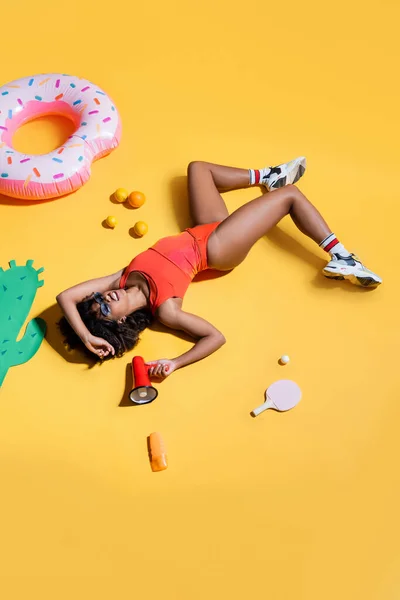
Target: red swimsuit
(170,265)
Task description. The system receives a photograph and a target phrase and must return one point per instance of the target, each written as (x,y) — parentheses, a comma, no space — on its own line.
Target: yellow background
(302,505)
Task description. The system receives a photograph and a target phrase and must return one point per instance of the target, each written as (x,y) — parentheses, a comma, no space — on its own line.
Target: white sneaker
(284,174)
(351,268)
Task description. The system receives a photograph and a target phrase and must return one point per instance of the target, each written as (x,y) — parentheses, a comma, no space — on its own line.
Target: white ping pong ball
(284,359)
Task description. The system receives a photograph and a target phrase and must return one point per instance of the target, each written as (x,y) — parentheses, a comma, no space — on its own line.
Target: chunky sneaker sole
(357,274)
(285,174)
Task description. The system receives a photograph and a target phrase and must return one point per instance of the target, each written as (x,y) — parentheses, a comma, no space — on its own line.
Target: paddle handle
(255,412)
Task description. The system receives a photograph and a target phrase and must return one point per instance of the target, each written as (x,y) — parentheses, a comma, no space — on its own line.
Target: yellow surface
(300,506)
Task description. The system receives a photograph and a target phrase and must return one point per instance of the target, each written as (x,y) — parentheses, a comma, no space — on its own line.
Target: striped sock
(332,245)
(258,176)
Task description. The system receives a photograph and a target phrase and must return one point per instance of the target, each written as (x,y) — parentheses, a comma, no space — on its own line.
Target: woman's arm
(209,339)
(68,299)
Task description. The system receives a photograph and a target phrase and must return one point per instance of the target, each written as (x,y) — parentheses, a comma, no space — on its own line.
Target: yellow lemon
(111,221)
(140,228)
(136,199)
(120,195)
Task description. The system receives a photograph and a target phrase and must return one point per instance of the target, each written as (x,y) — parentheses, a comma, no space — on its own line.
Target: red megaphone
(143,392)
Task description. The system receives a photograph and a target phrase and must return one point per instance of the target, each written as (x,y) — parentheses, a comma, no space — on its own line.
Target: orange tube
(158,455)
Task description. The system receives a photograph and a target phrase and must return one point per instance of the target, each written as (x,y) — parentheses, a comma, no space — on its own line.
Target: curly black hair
(122,336)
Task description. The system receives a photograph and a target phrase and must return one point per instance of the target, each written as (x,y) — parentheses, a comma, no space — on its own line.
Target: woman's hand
(161,368)
(98,346)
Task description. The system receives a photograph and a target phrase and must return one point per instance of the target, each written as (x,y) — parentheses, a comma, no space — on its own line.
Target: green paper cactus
(18,287)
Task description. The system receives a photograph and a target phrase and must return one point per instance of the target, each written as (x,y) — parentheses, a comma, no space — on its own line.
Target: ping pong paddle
(281,395)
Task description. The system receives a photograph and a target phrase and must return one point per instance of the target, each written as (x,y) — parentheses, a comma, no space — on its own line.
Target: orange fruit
(120,194)
(136,199)
(111,221)
(140,228)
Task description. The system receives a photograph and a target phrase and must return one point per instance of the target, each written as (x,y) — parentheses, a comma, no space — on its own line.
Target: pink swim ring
(64,170)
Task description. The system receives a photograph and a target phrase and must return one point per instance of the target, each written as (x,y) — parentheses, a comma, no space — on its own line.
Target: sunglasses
(105,308)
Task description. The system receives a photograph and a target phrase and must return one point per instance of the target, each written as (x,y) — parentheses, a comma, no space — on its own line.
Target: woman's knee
(290,195)
(195,166)
(284,197)
(292,190)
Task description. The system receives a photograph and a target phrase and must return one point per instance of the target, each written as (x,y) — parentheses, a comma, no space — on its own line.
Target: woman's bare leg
(205,181)
(230,243)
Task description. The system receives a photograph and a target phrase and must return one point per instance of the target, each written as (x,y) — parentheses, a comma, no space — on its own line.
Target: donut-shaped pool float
(64,170)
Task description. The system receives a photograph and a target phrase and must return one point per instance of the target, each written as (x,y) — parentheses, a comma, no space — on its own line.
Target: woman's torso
(171,264)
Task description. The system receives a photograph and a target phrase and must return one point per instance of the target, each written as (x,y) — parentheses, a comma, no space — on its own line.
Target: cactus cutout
(18,287)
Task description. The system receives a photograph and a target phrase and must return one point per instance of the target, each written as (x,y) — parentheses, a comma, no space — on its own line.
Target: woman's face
(113,305)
